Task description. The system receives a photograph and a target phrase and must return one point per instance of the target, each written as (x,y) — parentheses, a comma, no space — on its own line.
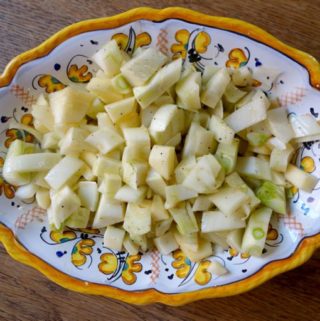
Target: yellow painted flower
(307,164)
(81,250)
(198,46)
(62,236)
(14,133)
(237,58)
(181,263)
(79,75)
(132,41)
(109,265)
(202,276)
(130,268)
(272,234)
(50,83)
(233,253)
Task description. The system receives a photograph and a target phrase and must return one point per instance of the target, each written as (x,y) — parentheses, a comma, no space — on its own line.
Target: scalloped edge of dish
(307,245)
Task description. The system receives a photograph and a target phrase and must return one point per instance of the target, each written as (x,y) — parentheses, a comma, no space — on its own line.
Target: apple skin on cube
(163,159)
(69,105)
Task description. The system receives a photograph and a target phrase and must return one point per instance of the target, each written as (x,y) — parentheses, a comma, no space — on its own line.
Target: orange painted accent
(302,253)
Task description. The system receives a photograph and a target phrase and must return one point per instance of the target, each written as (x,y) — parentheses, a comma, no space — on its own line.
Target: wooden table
(26,295)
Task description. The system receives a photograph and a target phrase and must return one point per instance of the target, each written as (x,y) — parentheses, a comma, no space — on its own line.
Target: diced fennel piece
(261,150)
(202,118)
(50,141)
(215,221)
(121,108)
(138,138)
(156,182)
(104,120)
(133,154)
(129,121)
(43,198)
(33,162)
(158,84)
(274,142)
(147,114)
(253,167)
(215,88)
(88,194)
(218,110)
(234,239)
(163,160)
(184,168)
(141,241)
(26,192)
(257,139)
(300,178)
(256,231)
(273,196)
(174,141)
(229,199)
(232,94)
(17,148)
(42,114)
(63,203)
(158,212)
(105,140)
(79,219)
(103,165)
(69,105)
(202,203)
(204,250)
(113,238)
(96,107)
(188,241)
(218,238)
(109,212)
(185,222)
(166,243)
(279,159)
(304,126)
(130,246)
(242,77)
(141,68)
(109,58)
(234,180)
(178,193)
(217,268)
(121,85)
(73,142)
(162,227)
(134,173)
(279,179)
(221,131)
(208,72)
(227,154)
(131,195)
(248,115)
(279,124)
(63,171)
(103,88)
(88,157)
(188,91)
(110,184)
(167,121)
(206,176)
(137,219)
(198,142)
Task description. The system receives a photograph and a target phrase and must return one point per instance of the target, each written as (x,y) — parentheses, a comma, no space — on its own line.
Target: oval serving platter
(77,259)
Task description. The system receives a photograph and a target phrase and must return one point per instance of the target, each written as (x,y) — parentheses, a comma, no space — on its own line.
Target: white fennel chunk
(163,160)
(121,108)
(253,167)
(161,82)
(166,243)
(88,194)
(113,238)
(215,88)
(142,67)
(221,131)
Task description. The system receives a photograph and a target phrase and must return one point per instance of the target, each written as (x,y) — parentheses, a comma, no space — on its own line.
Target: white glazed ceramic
(81,255)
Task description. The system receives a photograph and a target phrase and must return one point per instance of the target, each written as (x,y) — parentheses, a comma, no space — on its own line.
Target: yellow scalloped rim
(302,253)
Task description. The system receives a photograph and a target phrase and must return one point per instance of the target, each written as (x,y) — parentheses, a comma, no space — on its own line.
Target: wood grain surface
(26,295)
